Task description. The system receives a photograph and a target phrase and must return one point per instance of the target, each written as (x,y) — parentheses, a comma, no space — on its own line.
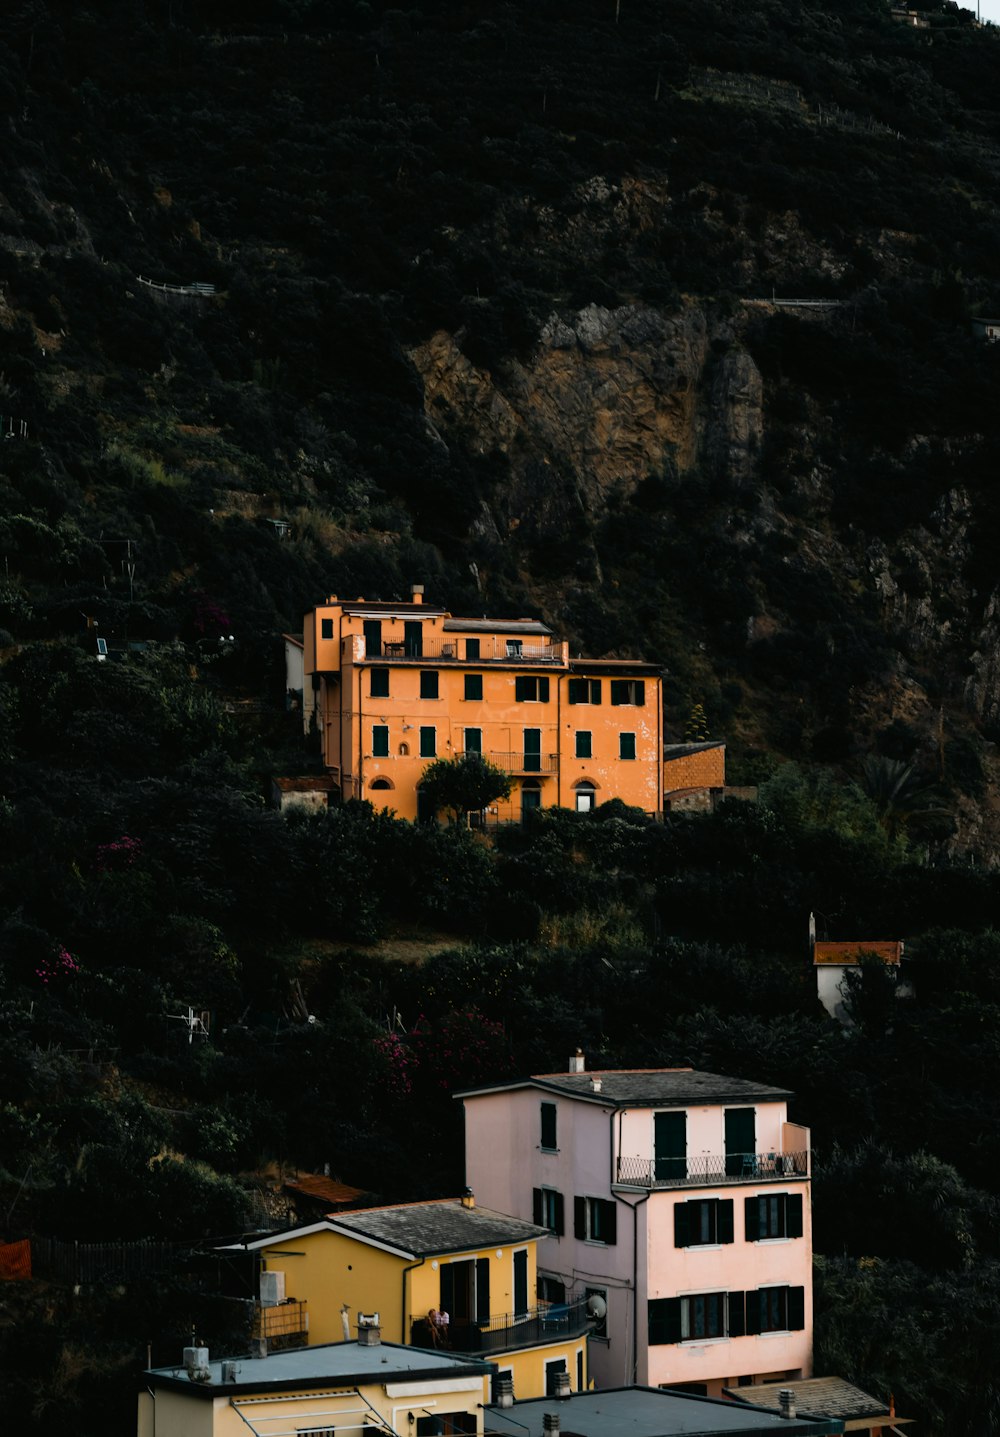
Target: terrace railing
(706,1169)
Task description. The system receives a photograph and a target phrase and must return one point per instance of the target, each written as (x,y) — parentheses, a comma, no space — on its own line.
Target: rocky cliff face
(608,397)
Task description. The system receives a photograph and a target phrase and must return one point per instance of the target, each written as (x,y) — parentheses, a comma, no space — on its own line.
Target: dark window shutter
(640,692)
(536,1206)
(560,1223)
(548,1125)
(610,1228)
(619,692)
(543,691)
(737,1314)
(595,691)
(664,1320)
(724,1220)
(796,1309)
(682,1225)
(578,691)
(751,1207)
(753,1313)
(522,689)
(482,1289)
(793,1215)
(447,1303)
(579,1217)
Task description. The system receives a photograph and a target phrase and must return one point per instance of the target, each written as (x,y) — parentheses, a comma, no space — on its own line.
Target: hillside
(506,301)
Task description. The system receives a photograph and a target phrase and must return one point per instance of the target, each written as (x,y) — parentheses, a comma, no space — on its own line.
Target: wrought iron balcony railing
(506,1332)
(525,762)
(703,1170)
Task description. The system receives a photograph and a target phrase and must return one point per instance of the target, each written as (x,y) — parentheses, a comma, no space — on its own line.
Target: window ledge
(543,1149)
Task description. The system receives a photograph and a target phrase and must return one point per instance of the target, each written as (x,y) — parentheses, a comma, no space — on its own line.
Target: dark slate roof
(397,606)
(815,1397)
(499,626)
(646,1088)
(428,1228)
(345,1364)
(648,1412)
(607,668)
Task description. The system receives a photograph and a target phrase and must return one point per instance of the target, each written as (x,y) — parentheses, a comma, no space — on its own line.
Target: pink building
(679,1199)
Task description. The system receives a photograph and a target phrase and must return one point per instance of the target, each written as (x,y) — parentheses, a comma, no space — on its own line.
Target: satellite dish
(597,1308)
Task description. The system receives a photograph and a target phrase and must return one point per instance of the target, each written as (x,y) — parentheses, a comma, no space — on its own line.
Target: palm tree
(903,798)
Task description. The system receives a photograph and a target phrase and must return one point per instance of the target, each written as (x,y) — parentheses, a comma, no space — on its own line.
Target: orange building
(393,686)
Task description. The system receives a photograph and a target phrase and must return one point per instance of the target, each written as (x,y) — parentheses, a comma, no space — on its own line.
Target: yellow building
(341,1390)
(411,1261)
(392,686)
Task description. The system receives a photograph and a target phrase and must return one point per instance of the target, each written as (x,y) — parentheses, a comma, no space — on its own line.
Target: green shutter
(536,1207)
(682,1225)
(429,684)
(578,691)
(751,1208)
(380,683)
(669,1145)
(724,1220)
(583,743)
(754,1309)
(796,1309)
(626,745)
(559,1226)
(380,741)
(524,689)
(793,1215)
(664,1320)
(549,1125)
(474,686)
(543,691)
(640,693)
(447,1303)
(482,1289)
(619,692)
(737,1314)
(595,691)
(580,1217)
(609,1219)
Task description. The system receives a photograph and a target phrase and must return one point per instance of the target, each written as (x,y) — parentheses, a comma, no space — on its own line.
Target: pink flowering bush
(119,853)
(399,1062)
(61,965)
(462,1049)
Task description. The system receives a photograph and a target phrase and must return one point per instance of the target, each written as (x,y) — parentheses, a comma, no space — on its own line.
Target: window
(520,1259)
(774,1215)
(530,690)
(554,1368)
(585,691)
(626,745)
(551,1289)
(380,684)
(514,648)
(473,740)
(549,1127)
(471,650)
(380,740)
(326,628)
(706,1221)
(595,1220)
(628,691)
(428,742)
(600,1328)
(547,1210)
(428,684)
(474,687)
(584,797)
(776,1309)
(696,1318)
(583,744)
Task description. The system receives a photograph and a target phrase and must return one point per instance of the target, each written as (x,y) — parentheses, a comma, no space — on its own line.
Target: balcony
(530,763)
(491,651)
(710,1170)
(509,1331)
(286,1324)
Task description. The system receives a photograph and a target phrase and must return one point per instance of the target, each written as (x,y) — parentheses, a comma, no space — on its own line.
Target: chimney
(577,1063)
(503,1390)
(595,1085)
(417,593)
(332,599)
(468,1199)
(229,1370)
(786,1402)
(369,1329)
(550,1424)
(563,1389)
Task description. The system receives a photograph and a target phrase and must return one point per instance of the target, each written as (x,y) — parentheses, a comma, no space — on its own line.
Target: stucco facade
(714,1294)
(400,685)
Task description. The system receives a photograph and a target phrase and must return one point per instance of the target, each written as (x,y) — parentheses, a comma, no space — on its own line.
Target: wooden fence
(88,1263)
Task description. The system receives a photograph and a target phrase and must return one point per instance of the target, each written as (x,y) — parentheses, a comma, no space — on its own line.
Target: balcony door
(669,1146)
(373,638)
(413,638)
(532,750)
(521,1282)
(465,1296)
(741,1141)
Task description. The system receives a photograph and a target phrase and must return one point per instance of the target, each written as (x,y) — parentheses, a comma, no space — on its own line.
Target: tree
(463,785)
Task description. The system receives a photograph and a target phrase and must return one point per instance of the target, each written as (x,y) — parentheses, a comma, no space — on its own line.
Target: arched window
(404,749)
(584,790)
(381,783)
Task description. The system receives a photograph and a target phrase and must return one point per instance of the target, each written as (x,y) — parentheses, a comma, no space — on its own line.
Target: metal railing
(705,1169)
(491,650)
(506,1332)
(525,762)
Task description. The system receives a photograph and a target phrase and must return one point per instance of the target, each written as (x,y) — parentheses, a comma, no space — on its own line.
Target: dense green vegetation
(352,178)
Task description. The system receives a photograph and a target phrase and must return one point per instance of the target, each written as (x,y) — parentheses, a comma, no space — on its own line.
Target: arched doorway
(585,794)
(531,796)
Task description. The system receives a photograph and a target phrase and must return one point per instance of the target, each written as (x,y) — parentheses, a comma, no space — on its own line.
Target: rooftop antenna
(196,1023)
